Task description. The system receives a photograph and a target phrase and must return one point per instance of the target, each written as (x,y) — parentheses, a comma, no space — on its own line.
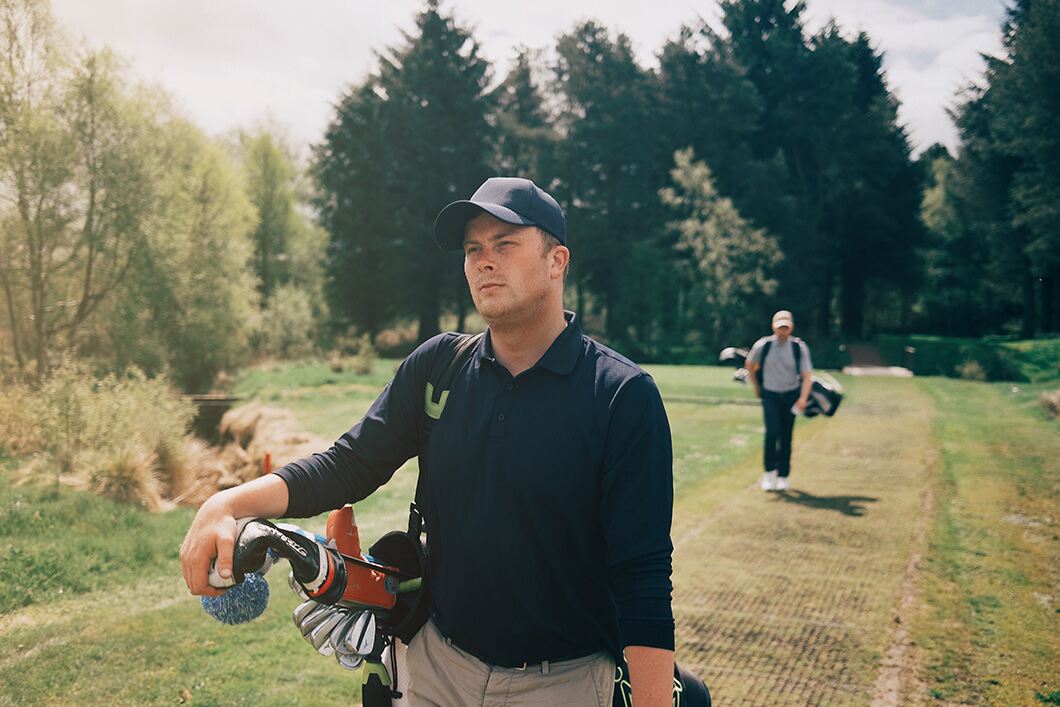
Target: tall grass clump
(1050,400)
(19,433)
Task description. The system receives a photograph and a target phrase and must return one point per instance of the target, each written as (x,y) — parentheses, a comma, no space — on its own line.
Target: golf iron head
(362,636)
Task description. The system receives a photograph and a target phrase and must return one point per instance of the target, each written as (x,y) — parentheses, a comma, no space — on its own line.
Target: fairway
(790,597)
(912,561)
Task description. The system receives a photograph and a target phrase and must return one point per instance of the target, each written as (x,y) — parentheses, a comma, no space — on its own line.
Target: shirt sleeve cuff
(655,633)
(647,623)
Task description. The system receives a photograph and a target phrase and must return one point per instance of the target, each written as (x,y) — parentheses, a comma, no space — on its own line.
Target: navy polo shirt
(548,498)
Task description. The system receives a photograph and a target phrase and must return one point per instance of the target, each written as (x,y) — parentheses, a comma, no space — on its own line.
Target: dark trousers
(776,407)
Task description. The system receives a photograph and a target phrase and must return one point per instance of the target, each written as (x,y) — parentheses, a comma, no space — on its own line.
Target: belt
(544,666)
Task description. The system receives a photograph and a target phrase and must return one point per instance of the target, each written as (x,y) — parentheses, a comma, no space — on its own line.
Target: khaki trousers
(442,675)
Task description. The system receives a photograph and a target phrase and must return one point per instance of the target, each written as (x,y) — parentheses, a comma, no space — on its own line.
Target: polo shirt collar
(561,356)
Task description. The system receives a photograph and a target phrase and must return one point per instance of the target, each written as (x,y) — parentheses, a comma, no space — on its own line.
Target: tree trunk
(428,322)
(429,309)
(14,321)
(852,304)
(1048,304)
(428,291)
(1028,325)
(824,312)
(461,306)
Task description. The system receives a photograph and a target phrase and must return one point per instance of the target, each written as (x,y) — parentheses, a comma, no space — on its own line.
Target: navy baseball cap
(511,199)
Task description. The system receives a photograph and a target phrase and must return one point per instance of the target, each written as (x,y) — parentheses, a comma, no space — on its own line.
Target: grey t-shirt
(778,375)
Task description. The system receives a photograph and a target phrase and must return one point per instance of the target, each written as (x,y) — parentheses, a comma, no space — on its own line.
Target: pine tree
(611,165)
(411,138)
(526,138)
(1007,177)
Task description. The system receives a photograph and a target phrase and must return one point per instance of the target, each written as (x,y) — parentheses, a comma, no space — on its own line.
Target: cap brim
(784,322)
(452,221)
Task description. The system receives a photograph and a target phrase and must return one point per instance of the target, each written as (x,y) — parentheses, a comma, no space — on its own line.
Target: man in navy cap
(548,485)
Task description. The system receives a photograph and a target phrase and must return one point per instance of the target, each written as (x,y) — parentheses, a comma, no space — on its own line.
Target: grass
(988,626)
(93,611)
(61,542)
(779,599)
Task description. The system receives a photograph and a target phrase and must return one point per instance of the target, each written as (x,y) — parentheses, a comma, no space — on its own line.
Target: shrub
(353,351)
(287,328)
(336,362)
(76,410)
(364,359)
(971,370)
(1039,359)
(947,356)
(120,435)
(19,432)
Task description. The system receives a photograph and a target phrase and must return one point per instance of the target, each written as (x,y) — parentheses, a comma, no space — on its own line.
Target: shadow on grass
(847,505)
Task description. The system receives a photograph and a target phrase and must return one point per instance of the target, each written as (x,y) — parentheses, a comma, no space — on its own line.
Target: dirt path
(793,598)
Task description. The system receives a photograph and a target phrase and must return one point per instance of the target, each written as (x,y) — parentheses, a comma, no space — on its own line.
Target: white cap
(783,318)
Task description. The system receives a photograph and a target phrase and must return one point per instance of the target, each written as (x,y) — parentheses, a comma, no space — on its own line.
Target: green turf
(989,624)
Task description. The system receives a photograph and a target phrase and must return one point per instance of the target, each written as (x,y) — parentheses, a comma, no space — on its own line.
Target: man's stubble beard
(517,315)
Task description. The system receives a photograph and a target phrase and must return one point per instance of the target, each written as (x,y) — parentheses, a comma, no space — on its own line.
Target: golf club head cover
(244,602)
(318,569)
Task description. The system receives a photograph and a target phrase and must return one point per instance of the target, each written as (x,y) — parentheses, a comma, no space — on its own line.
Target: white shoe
(782,483)
(769,480)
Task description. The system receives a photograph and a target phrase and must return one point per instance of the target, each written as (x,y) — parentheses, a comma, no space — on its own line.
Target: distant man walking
(782,375)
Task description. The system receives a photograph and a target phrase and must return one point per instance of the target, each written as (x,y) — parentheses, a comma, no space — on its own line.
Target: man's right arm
(753,365)
(360,461)
(213,531)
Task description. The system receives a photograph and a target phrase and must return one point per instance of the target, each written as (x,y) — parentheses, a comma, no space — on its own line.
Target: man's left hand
(800,405)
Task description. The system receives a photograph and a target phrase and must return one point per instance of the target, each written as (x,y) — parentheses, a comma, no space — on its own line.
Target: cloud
(230,63)
(927,57)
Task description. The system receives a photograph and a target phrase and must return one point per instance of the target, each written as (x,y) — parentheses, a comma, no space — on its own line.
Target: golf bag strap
(689,688)
(448,360)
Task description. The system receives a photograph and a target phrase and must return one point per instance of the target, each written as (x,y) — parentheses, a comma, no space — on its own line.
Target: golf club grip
(319,569)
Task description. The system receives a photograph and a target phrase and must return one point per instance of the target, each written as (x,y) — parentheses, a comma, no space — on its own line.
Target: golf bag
(734,356)
(825,394)
(737,357)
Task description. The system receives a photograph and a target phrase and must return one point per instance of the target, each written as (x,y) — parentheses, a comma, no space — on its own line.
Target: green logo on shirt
(434,409)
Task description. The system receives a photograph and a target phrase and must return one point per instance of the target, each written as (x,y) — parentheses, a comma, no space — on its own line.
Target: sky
(235,63)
